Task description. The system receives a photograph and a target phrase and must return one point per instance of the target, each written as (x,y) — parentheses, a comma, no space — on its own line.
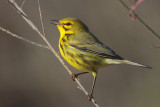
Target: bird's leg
(90,96)
(76,75)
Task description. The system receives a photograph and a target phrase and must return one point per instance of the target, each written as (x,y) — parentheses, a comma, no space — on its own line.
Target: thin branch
(18,9)
(21,38)
(140,19)
(147,26)
(41,18)
(13,3)
(23,4)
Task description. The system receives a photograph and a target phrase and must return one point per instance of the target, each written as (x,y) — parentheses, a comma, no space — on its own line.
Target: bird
(84,51)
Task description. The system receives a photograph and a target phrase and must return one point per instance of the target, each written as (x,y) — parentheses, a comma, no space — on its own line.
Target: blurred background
(31,76)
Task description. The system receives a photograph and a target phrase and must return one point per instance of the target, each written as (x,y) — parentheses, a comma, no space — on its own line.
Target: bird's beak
(55,22)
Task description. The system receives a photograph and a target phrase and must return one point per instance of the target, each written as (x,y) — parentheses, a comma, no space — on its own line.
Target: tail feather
(113,61)
(136,64)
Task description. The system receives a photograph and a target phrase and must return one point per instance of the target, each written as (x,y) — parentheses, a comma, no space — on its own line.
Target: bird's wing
(92,45)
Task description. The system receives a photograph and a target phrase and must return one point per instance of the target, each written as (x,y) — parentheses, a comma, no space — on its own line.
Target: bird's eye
(68,24)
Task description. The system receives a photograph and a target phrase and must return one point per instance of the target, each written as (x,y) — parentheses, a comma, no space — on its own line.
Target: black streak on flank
(85,61)
(70,54)
(62,49)
(63,40)
(68,34)
(72,60)
(78,63)
(80,55)
(95,62)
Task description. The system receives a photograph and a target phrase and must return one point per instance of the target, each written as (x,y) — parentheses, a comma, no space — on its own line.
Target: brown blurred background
(31,76)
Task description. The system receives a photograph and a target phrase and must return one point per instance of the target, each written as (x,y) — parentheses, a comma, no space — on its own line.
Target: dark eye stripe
(68,24)
(65,28)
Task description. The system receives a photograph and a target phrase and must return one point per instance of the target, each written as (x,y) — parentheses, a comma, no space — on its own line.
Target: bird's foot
(74,76)
(89,96)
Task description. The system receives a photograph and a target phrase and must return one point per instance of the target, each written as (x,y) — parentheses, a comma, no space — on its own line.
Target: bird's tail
(116,61)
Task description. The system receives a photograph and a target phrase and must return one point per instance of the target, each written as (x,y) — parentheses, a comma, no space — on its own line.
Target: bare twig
(41,18)
(19,10)
(140,19)
(23,4)
(21,38)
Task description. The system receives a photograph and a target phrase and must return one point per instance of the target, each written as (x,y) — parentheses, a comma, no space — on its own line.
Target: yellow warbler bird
(81,49)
